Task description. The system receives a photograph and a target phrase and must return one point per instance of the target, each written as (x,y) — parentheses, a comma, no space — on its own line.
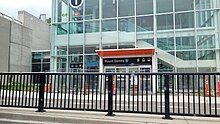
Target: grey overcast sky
(35,7)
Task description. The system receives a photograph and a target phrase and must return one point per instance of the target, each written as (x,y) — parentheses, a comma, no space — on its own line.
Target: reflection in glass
(205,19)
(76,28)
(109,8)
(109,25)
(204,4)
(206,55)
(76,14)
(144,7)
(165,43)
(164,22)
(126,25)
(91,63)
(206,41)
(91,9)
(62,29)
(62,11)
(186,55)
(144,24)
(164,6)
(184,5)
(126,8)
(184,43)
(91,26)
(184,20)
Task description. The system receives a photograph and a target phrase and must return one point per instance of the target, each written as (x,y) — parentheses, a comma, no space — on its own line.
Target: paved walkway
(29,116)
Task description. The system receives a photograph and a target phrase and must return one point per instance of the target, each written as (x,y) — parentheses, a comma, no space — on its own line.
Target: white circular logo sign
(76,3)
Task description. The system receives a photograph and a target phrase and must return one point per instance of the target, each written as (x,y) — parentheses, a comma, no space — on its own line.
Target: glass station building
(135,36)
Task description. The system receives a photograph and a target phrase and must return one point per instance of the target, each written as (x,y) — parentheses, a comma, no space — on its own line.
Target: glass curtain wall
(184,32)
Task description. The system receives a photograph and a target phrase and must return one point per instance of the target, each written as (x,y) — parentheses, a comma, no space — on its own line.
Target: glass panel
(141,43)
(91,9)
(206,41)
(184,43)
(76,28)
(205,19)
(204,4)
(126,8)
(109,25)
(61,50)
(92,26)
(186,55)
(90,49)
(76,14)
(92,63)
(164,6)
(184,20)
(164,22)
(76,63)
(144,7)
(206,55)
(127,25)
(165,43)
(126,33)
(144,24)
(62,29)
(61,11)
(184,5)
(109,8)
(61,64)
(36,67)
(164,66)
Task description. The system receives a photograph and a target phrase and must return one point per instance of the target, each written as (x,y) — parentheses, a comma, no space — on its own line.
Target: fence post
(167,99)
(110,96)
(41,93)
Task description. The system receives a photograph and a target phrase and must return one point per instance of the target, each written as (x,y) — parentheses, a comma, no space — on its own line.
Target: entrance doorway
(123,82)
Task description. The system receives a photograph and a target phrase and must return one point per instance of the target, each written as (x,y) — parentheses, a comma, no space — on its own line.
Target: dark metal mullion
(37,97)
(151,95)
(116,82)
(210,103)
(173,93)
(30,90)
(178,93)
(96,100)
(156,91)
(133,92)
(3,89)
(199,93)
(88,91)
(183,83)
(85,92)
(34,81)
(9,95)
(61,92)
(188,94)
(69,91)
(54,90)
(13,90)
(50,79)
(19,97)
(81,83)
(6,94)
(129,84)
(147,93)
(120,91)
(215,94)
(138,84)
(58,90)
(124,92)
(161,97)
(46,89)
(65,91)
(194,109)
(142,91)
(204,93)
(27,86)
(77,87)
(23,97)
(105,91)
(93,77)
(73,92)
(101,91)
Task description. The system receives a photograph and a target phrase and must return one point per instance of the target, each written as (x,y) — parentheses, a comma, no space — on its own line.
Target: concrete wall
(4,44)
(20,48)
(40,31)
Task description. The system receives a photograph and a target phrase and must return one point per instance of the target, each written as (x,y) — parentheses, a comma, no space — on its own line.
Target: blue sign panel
(76,3)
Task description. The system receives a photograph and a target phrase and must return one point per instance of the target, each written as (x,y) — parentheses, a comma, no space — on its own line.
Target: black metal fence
(193,94)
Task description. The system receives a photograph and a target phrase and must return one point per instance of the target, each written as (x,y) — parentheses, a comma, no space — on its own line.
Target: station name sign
(128,61)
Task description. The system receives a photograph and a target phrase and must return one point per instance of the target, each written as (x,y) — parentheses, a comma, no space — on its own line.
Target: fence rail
(192,94)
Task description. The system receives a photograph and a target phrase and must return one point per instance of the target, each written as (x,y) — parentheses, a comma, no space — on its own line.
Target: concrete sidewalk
(29,116)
